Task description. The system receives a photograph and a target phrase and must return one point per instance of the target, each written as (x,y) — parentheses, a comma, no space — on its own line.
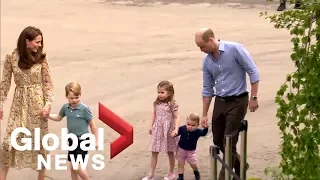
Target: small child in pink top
(186,152)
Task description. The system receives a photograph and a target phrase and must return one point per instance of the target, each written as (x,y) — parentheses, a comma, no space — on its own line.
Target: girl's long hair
(168,86)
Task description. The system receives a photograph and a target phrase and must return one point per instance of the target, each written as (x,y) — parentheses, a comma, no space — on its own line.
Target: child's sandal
(169,177)
(148,178)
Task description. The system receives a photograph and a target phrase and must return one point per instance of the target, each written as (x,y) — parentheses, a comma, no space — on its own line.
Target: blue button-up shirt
(227,75)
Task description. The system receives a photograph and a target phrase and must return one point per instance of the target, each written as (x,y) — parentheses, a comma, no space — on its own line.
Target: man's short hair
(207,34)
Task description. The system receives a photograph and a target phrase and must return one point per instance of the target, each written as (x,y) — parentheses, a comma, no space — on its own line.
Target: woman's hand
(45,112)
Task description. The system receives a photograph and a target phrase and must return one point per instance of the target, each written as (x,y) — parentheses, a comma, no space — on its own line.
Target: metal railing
(227,163)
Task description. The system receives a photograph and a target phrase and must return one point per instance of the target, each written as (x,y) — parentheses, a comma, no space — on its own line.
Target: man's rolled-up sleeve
(208,82)
(246,61)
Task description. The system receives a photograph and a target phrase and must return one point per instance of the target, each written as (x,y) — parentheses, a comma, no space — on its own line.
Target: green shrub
(298,99)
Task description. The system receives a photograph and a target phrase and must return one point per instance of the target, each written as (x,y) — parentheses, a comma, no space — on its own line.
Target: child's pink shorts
(184,155)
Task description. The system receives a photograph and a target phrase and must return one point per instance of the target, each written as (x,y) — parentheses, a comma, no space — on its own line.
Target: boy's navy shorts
(78,150)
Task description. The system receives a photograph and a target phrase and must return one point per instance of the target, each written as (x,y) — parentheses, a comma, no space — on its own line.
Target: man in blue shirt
(224,76)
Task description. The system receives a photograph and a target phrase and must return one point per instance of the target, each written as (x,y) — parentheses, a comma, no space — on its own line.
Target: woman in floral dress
(32,99)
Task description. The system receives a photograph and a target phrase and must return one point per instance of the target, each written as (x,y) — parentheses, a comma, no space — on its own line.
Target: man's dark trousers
(226,120)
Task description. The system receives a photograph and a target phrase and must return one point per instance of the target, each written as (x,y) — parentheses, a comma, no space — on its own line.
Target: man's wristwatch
(254,98)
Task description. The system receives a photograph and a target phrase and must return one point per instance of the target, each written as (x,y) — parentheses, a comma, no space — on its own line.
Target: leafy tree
(298,99)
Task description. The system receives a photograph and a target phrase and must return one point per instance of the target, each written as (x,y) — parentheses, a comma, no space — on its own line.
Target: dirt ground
(119,53)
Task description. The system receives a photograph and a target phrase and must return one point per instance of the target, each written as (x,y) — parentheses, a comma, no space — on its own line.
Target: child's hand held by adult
(205,125)
(204,121)
(45,112)
(173,134)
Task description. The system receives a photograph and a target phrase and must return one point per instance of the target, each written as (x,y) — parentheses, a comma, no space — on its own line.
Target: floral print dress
(163,125)
(33,92)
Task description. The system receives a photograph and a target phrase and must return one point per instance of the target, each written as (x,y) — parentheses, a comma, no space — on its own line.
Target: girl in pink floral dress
(165,121)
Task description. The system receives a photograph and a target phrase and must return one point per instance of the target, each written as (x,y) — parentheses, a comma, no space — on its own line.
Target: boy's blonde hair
(194,117)
(73,87)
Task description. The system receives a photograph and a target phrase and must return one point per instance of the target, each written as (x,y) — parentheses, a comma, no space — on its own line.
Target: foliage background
(298,99)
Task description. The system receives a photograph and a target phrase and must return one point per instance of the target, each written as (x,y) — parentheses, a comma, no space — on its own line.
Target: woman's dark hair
(27,58)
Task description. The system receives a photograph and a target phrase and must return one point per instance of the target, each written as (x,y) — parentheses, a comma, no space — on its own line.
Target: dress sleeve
(5,82)
(47,85)
(174,107)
